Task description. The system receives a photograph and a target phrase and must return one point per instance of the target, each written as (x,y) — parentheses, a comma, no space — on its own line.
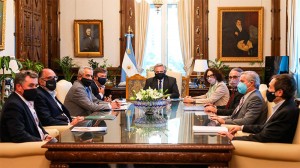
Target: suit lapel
(52,101)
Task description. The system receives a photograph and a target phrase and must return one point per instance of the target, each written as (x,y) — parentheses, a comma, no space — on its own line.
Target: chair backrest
(134,83)
(263,90)
(185,89)
(173,74)
(62,88)
(296,139)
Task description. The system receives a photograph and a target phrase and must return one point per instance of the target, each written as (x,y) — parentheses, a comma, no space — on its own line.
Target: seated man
(19,122)
(281,125)
(49,109)
(80,101)
(235,96)
(252,108)
(98,86)
(162,81)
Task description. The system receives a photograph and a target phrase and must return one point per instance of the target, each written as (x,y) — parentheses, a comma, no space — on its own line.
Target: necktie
(231,98)
(89,93)
(238,107)
(159,85)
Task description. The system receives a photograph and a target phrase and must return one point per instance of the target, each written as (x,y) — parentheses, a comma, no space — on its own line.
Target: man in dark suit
(49,109)
(98,86)
(19,122)
(162,81)
(281,125)
(252,108)
(235,96)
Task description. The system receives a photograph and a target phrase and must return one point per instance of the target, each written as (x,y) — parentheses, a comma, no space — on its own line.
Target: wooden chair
(134,83)
(185,88)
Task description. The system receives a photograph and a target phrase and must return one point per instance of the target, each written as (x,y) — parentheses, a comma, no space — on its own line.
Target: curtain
(293,40)
(185,19)
(141,24)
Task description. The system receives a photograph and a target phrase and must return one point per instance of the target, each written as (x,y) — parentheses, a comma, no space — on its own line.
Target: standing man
(235,96)
(252,108)
(162,81)
(281,125)
(80,101)
(49,109)
(19,121)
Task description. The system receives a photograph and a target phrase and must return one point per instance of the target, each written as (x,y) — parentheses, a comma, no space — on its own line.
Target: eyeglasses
(210,76)
(233,77)
(50,78)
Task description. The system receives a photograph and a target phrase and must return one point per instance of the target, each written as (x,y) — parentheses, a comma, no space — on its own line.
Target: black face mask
(30,94)
(86,82)
(102,81)
(270,96)
(51,84)
(160,76)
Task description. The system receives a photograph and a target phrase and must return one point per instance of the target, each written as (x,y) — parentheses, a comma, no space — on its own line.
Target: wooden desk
(176,144)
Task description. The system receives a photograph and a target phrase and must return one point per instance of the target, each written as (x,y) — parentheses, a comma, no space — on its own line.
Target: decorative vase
(151,118)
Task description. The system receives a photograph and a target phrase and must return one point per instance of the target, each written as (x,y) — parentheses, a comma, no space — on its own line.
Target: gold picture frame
(2,23)
(240,34)
(88,38)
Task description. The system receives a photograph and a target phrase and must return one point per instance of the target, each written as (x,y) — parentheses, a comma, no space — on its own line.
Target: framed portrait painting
(240,34)
(2,23)
(88,36)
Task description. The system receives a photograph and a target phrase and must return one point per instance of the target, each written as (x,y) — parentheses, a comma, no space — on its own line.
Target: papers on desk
(194,108)
(100,117)
(209,129)
(122,108)
(89,129)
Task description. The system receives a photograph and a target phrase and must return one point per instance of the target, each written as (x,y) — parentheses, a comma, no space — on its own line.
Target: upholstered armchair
(62,88)
(134,83)
(25,155)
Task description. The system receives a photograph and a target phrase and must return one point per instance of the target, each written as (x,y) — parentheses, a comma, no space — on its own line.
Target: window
(163,43)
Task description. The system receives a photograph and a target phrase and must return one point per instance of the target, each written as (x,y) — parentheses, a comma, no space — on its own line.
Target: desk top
(122,130)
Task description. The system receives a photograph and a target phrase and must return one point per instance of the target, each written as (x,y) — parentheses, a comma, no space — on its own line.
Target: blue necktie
(89,93)
(159,85)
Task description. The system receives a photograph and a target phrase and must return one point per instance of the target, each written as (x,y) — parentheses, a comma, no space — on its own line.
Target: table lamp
(200,66)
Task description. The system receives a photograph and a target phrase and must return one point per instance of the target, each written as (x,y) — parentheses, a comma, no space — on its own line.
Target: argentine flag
(129,63)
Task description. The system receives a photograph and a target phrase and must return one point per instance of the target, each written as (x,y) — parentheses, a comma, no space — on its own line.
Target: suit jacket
(95,91)
(219,95)
(169,83)
(234,103)
(78,102)
(17,122)
(48,111)
(252,111)
(280,127)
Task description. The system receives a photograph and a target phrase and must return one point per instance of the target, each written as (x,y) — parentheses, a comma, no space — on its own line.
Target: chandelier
(157,3)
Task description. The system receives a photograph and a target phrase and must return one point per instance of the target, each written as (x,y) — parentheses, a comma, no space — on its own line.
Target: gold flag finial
(129,30)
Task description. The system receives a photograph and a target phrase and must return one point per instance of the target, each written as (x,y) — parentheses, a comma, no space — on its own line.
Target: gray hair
(252,76)
(20,77)
(82,68)
(237,70)
(159,65)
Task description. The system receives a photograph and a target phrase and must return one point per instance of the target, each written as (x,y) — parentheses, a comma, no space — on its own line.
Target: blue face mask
(242,88)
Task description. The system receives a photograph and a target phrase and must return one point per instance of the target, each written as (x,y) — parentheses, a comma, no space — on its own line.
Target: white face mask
(212,81)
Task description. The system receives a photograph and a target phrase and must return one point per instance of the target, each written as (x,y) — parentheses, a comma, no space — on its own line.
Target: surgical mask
(233,82)
(30,94)
(86,82)
(51,84)
(242,88)
(102,81)
(160,76)
(212,81)
(270,96)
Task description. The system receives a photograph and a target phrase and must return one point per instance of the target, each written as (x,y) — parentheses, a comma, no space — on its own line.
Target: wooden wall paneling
(275,22)
(201,29)
(127,19)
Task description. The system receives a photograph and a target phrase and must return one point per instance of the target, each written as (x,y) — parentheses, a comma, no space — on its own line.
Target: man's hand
(235,129)
(210,109)
(108,99)
(228,134)
(77,120)
(115,105)
(220,120)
